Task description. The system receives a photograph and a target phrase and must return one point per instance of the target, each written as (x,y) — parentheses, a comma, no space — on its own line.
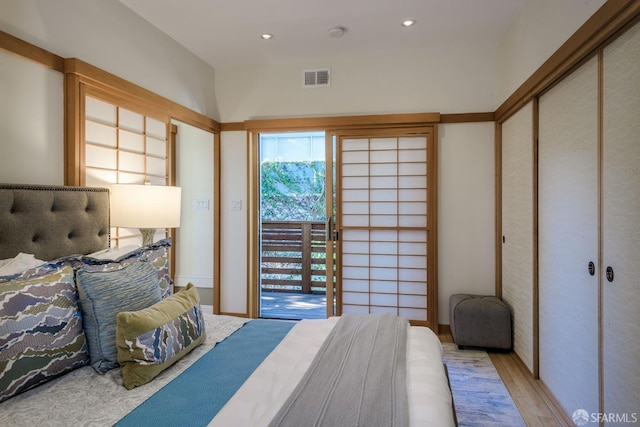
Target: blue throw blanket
(196,396)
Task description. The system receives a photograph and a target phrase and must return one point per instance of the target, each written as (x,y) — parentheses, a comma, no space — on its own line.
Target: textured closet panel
(568,239)
(517,228)
(621,223)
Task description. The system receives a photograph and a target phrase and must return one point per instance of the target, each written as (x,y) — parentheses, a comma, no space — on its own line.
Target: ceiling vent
(316,78)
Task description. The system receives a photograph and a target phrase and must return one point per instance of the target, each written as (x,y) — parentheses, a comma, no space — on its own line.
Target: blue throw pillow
(156,254)
(104,294)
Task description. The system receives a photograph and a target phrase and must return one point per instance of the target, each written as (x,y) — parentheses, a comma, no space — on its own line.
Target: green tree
(292,191)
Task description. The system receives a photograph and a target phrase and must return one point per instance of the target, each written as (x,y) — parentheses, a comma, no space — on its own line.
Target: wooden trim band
(32,52)
(342,122)
(345,122)
(467,117)
(230,127)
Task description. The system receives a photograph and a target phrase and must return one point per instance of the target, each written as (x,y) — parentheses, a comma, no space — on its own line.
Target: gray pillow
(103,294)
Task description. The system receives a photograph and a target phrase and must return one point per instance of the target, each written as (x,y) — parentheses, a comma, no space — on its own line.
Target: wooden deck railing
(288,260)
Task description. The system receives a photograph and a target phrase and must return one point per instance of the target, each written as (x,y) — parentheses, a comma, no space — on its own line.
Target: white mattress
(266,390)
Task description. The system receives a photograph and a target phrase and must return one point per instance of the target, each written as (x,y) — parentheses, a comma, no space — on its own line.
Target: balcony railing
(293,256)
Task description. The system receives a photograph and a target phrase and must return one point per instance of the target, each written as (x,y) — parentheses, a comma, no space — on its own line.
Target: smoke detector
(337,31)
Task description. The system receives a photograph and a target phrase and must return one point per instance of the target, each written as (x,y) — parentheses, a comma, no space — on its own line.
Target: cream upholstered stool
(480,321)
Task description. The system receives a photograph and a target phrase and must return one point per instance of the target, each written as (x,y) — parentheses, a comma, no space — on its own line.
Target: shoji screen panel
(383,222)
(123,146)
(517,228)
(568,238)
(621,224)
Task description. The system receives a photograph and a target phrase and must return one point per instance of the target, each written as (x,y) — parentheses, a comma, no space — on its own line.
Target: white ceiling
(226,33)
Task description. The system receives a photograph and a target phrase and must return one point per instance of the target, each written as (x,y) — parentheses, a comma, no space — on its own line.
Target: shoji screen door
(385,220)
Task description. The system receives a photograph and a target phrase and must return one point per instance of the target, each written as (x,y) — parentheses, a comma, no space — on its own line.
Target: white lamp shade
(145,206)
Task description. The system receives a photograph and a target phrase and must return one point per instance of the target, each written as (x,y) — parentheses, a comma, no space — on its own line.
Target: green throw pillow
(152,339)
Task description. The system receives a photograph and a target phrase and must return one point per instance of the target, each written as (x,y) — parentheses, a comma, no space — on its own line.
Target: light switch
(201,204)
(236,205)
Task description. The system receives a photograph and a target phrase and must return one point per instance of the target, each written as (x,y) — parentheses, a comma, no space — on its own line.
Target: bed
(174,363)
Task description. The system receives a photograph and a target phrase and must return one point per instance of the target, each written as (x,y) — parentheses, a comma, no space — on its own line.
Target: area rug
(480,397)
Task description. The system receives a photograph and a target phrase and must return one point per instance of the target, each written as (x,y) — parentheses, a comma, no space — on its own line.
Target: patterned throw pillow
(151,340)
(156,254)
(103,294)
(41,333)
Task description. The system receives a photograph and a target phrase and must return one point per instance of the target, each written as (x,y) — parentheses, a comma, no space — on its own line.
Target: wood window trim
(100,79)
(384,124)
(82,79)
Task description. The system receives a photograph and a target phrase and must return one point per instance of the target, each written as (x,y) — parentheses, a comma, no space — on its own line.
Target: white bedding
(83,397)
(260,397)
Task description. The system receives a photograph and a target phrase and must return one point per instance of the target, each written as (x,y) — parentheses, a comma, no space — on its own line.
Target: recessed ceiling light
(266,36)
(409,22)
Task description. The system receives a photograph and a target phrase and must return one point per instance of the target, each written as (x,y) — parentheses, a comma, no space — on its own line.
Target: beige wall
(458,79)
(538,31)
(110,36)
(465,212)
(233,233)
(31,122)
(194,238)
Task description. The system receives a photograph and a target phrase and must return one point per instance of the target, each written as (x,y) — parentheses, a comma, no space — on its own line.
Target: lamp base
(147,235)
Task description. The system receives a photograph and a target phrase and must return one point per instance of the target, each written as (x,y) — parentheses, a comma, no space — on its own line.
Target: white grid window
(123,146)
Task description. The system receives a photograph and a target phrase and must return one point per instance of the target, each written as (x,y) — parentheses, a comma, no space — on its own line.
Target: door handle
(609,274)
(328,232)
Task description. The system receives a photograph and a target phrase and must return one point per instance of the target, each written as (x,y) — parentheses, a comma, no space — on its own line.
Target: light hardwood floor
(536,407)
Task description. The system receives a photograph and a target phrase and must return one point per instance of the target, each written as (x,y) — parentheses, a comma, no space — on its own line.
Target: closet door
(621,224)
(517,228)
(568,239)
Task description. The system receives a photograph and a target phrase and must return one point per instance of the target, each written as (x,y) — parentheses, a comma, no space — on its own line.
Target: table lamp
(146,207)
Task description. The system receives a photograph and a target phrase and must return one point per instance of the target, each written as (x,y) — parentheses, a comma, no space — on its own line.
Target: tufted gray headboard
(52,221)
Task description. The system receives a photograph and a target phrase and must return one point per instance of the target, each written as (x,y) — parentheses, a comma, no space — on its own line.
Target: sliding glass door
(293,226)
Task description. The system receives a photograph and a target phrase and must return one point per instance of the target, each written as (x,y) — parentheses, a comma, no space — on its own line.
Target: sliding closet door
(384,199)
(621,224)
(517,228)
(568,239)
